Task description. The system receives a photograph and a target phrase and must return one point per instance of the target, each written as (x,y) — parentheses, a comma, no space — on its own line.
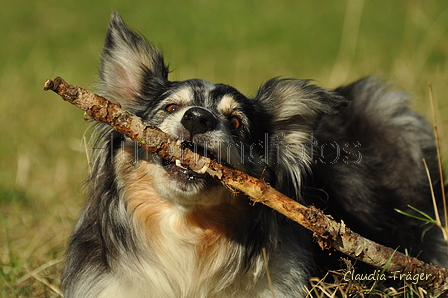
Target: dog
(153,228)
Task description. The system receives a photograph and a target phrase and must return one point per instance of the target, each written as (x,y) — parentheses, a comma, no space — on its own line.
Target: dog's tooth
(179,164)
(203,170)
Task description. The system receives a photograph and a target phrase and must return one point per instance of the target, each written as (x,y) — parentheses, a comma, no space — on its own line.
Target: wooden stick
(326,230)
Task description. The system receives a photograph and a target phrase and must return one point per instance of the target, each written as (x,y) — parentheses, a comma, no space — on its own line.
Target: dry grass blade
(439,156)
(268,274)
(53,287)
(41,277)
(37,270)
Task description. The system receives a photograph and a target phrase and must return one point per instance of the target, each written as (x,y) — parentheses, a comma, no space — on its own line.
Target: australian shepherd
(153,228)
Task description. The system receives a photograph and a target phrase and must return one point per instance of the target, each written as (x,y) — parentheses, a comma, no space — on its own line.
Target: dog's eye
(235,122)
(172,107)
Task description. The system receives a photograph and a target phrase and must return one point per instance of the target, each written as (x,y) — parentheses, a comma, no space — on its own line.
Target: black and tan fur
(152,228)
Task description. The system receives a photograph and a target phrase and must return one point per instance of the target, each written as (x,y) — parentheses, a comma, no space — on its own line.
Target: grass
(241,43)
(340,284)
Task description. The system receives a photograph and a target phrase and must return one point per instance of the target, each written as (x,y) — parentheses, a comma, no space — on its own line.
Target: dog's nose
(198,120)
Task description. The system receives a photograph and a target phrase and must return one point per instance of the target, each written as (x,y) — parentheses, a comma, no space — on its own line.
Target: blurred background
(241,43)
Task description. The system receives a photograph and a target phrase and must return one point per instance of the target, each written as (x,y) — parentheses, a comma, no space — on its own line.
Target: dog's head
(266,136)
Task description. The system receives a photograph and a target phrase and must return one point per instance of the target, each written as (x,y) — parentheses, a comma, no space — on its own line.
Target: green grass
(241,43)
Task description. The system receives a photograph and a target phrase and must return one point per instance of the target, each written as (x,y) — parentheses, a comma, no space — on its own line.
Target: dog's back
(371,163)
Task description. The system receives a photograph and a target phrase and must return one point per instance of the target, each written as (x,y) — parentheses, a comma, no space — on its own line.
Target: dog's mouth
(177,170)
(181,173)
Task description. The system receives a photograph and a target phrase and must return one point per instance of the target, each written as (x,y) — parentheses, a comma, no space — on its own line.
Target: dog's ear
(132,69)
(297,104)
(295,108)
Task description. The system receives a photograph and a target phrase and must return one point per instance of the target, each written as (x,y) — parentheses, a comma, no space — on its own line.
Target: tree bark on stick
(326,230)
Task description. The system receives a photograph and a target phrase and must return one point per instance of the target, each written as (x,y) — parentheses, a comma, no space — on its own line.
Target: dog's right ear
(295,108)
(132,70)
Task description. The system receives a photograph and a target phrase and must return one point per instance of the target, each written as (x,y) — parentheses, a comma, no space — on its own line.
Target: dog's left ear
(298,105)
(295,108)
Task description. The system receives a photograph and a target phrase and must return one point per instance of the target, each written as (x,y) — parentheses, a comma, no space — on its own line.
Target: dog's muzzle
(196,121)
